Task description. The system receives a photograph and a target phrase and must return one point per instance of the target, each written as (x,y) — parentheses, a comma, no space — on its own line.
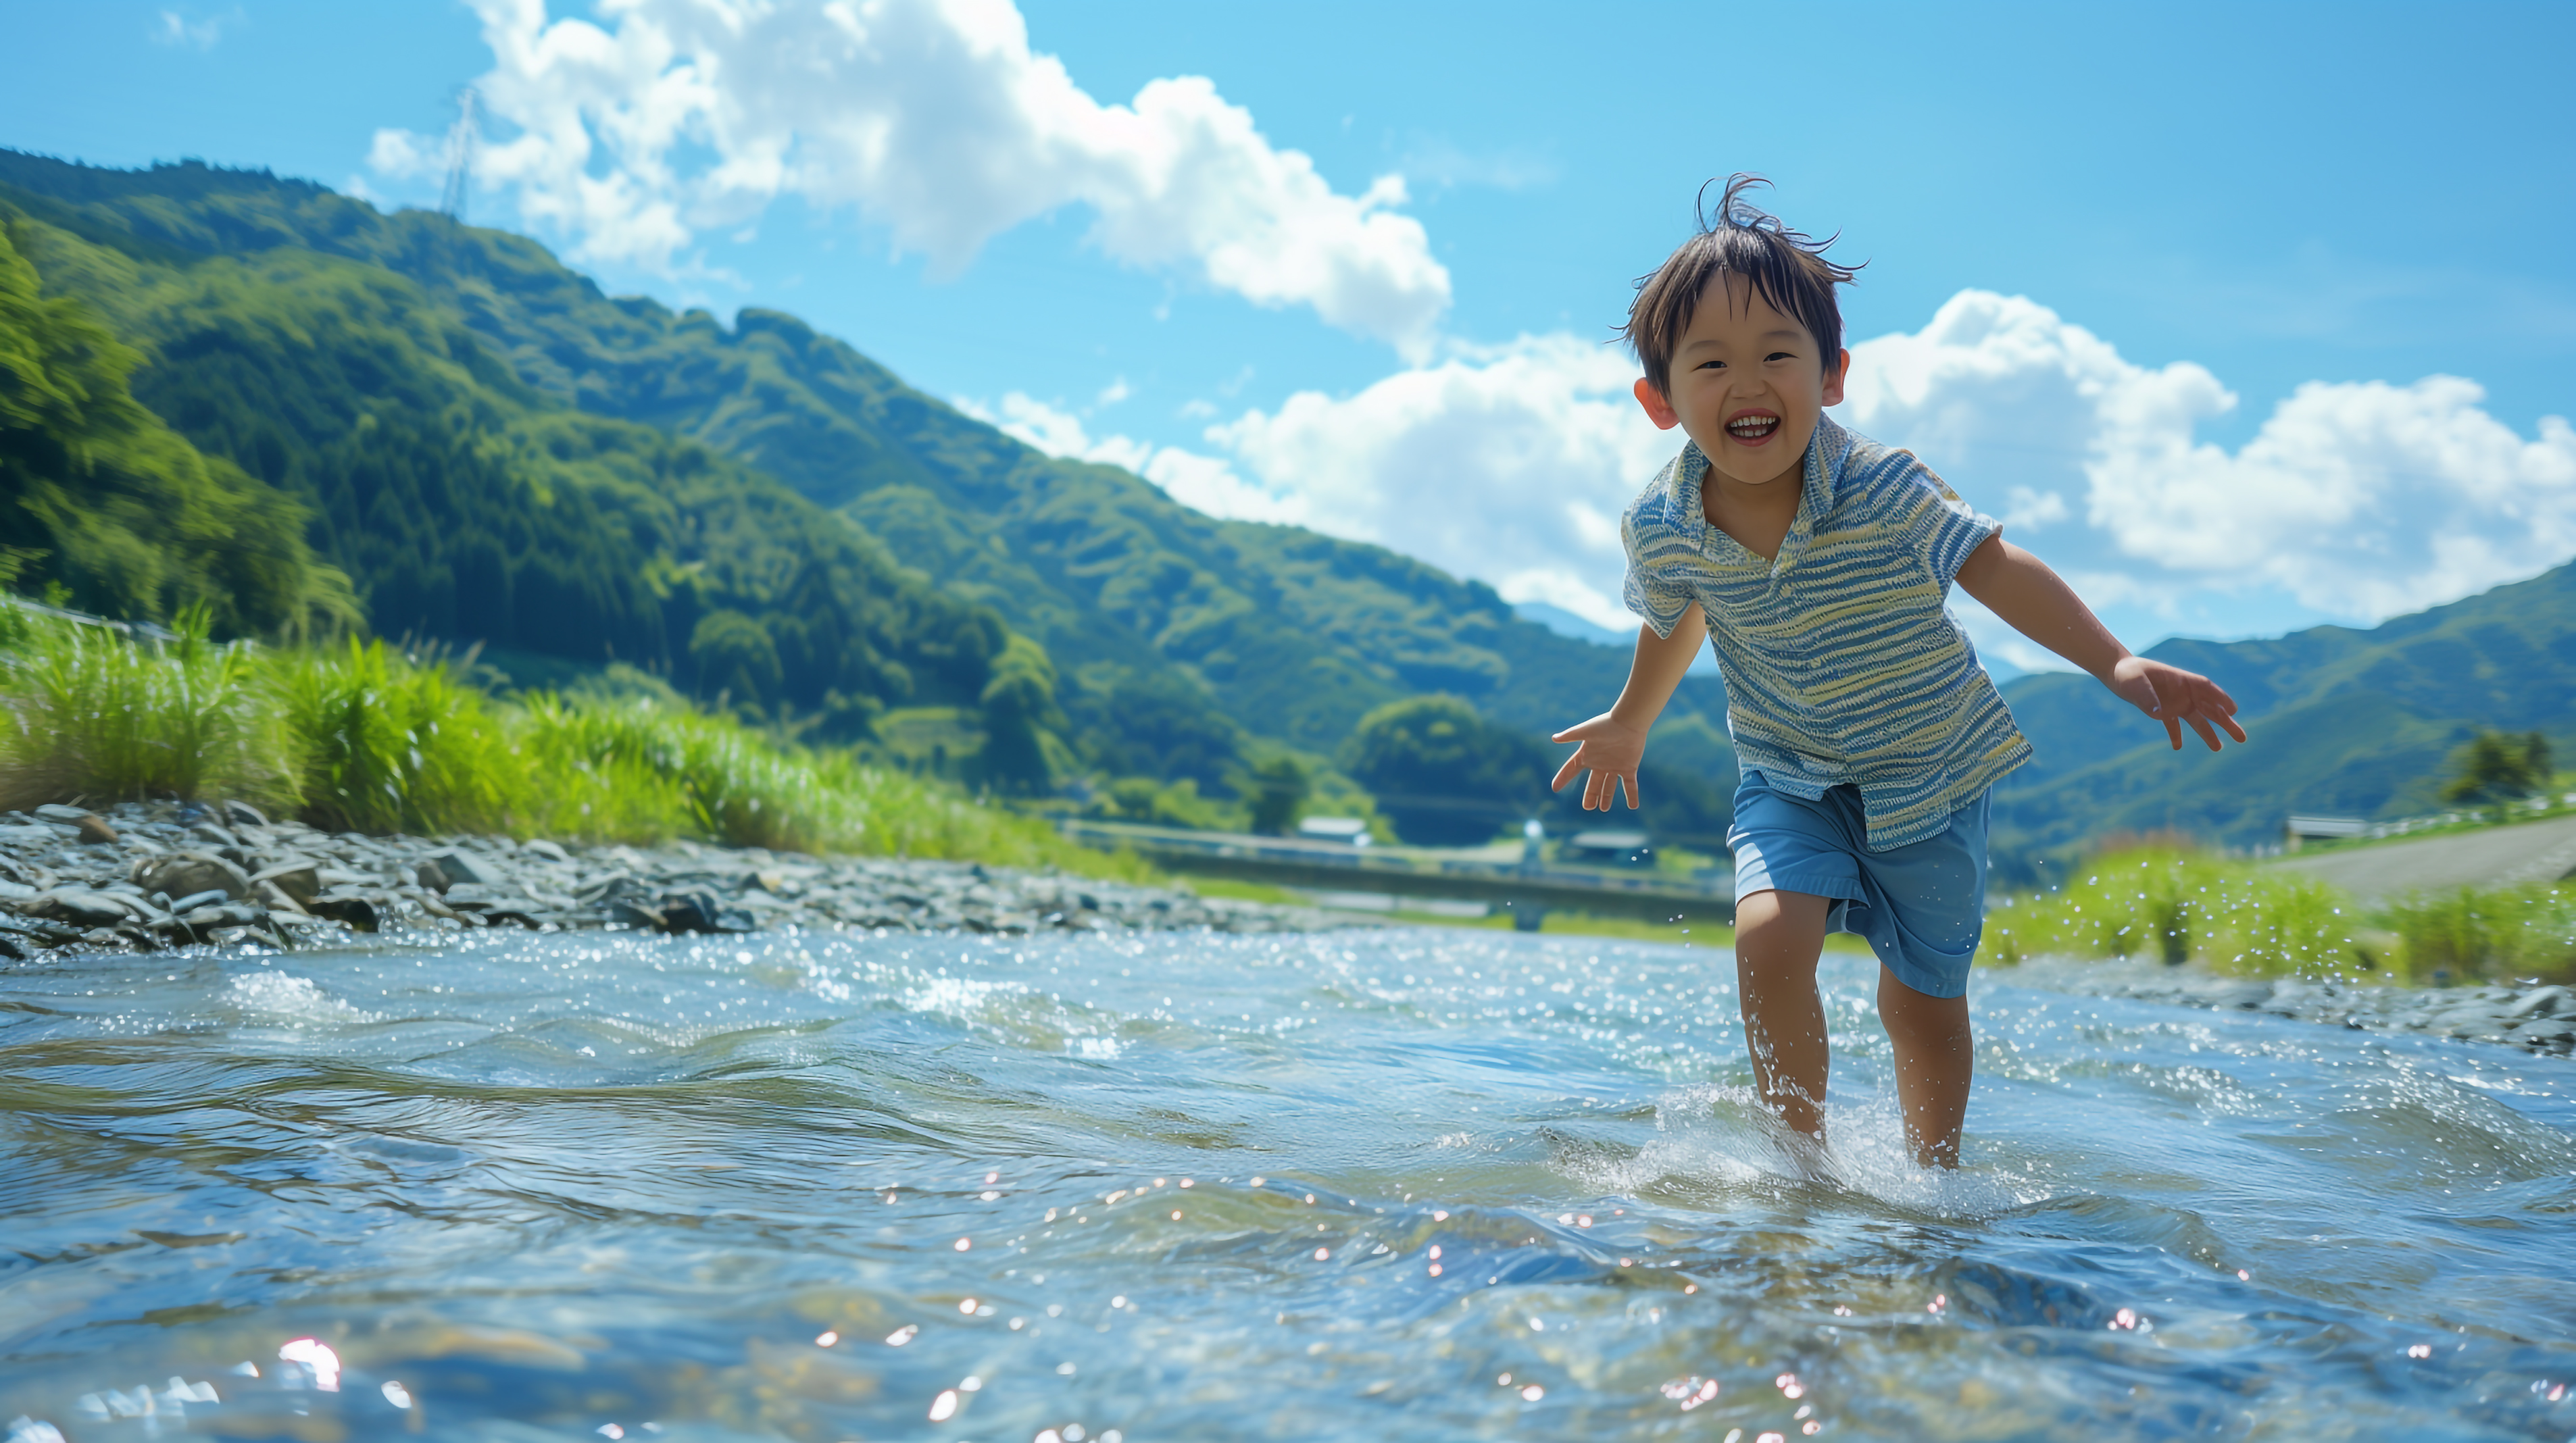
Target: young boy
(1869,738)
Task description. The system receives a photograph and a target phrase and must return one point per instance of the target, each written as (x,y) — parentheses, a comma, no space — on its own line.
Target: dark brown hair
(1784,267)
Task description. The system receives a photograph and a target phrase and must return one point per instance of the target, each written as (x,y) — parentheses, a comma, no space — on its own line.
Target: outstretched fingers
(1566,773)
(2179,698)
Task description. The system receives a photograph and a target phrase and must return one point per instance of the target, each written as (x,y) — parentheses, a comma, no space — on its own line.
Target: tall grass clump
(2174,905)
(85,712)
(386,744)
(2499,932)
(361,737)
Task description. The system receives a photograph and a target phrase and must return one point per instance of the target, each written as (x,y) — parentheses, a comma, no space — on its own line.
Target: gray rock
(551,851)
(449,866)
(2543,1002)
(68,816)
(183,873)
(357,912)
(83,908)
(295,876)
(243,814)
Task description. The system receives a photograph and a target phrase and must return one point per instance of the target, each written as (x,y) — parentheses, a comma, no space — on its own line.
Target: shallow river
(1405,1185)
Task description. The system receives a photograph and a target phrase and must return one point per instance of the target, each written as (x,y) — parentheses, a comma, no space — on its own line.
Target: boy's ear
(1661,412)
(1834,380)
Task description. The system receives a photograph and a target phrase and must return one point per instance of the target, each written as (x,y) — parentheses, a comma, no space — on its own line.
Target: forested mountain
(131,518)
(446,429)
(492,449)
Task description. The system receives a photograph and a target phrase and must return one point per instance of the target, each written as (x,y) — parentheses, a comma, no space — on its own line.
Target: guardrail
(1337,866)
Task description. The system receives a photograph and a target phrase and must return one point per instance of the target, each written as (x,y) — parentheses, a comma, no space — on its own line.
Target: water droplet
(944,1407)
(826,1338)
(316,1355)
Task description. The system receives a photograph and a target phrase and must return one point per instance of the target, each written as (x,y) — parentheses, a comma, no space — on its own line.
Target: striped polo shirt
(1842,662)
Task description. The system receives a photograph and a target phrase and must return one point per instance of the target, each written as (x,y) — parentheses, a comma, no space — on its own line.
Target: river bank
(2530,1016)
(141,877)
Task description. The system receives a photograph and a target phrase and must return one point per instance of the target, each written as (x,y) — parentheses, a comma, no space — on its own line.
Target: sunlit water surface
(1405,1185)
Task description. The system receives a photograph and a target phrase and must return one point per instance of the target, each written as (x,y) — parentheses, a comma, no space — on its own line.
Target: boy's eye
(1779,356)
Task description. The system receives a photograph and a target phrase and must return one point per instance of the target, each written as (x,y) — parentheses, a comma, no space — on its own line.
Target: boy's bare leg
(1935,1058)
(1778,936)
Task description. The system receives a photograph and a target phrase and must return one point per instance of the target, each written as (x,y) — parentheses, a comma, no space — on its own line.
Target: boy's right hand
(1609,749)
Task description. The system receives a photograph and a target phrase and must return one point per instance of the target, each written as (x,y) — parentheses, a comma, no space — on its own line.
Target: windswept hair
(1785,268)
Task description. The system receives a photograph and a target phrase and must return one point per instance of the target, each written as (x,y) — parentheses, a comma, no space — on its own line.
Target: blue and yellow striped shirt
(1842,662)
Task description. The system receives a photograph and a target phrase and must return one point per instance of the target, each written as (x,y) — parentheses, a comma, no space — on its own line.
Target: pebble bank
(144,876)
(152,875)
(2532,1016)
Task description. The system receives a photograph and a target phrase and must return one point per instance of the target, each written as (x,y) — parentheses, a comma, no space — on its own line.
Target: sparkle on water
(1438,1185)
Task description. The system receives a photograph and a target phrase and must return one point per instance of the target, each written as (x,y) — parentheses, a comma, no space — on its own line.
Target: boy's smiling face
(1748,384)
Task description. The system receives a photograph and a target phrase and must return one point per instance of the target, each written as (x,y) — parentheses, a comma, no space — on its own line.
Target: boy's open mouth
(1752,428)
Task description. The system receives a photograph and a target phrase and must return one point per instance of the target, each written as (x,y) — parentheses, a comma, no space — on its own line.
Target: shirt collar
(1827,451)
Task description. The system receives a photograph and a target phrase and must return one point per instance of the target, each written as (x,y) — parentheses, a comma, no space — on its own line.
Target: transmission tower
(460,157)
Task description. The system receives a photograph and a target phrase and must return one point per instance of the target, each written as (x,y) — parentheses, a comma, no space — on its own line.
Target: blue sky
(2087,229)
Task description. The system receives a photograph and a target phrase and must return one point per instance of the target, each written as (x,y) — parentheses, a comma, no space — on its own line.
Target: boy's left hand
(2174,696)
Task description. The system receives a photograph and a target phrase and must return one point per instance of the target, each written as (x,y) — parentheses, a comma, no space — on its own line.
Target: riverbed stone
(272,882)
(183,873)
(2543,1002)
(297,877)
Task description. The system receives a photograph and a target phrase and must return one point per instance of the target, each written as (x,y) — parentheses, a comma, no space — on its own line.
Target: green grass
(2173,906)
(2501,932)
(360,737)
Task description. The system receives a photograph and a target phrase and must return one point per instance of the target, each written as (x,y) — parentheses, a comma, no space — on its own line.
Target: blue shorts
(1922,906)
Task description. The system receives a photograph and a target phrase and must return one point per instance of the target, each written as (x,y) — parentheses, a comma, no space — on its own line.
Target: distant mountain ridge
(385,367)
(2344,721)
(494,449)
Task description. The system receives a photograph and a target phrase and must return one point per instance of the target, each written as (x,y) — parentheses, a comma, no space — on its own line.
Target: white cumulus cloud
(2361,500)
(1509,464)
(1512,463)
(933,118)
(1193,479)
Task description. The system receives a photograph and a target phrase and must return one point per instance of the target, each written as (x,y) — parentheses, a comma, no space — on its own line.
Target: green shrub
(360,737)
(2497,933)
(91,714)
(385,744)
(2172,905)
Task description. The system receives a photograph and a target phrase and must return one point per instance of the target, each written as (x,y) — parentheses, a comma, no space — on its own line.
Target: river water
(1400,1185)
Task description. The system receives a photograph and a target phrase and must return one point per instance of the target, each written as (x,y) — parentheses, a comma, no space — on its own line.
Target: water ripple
(1417,1185)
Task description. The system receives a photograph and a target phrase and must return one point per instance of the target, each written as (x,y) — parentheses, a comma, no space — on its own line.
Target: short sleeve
(1653,592)
(1945,528)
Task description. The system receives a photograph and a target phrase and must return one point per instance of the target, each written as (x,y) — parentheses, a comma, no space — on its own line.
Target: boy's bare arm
(1610,745)
(2036,602)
